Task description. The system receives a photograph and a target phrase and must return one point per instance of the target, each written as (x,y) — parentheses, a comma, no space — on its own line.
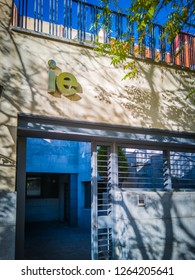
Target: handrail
(76,20)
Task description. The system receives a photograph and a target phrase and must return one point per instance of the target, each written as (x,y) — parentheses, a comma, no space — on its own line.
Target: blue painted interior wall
(54,156)
(63,157)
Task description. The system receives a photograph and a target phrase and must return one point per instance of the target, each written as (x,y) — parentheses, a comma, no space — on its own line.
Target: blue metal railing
(85,23)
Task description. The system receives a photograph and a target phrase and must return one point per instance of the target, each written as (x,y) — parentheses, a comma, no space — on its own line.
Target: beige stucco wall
(156,98)
(161,229)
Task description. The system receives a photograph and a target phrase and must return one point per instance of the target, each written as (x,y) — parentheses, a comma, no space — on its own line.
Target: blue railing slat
(70,12)
(65,19)
(56,16)
(39,15)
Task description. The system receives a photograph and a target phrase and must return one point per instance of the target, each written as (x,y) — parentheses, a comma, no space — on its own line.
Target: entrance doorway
(57,210)
(125,175)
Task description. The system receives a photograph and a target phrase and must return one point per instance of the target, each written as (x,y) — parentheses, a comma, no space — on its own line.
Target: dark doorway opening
(56,226)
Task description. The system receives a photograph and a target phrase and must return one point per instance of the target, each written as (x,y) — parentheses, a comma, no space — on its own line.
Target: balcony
(77,21)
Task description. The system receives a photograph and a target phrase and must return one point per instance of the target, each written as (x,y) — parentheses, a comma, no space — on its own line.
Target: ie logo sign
(65,83)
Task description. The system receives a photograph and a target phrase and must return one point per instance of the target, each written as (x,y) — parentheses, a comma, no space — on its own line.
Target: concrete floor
(56,241)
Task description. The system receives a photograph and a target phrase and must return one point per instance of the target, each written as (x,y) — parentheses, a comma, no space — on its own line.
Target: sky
(162,16)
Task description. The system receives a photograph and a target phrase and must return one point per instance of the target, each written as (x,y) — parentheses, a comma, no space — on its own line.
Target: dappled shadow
(155,231)
(7,207)
(185,235)
(155,98)
(166,202)
(7,221)
(129,244)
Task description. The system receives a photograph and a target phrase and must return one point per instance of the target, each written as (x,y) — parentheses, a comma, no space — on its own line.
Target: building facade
(55,87)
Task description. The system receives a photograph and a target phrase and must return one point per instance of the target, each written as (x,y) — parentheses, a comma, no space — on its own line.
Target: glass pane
(33,186)
(140,168)
(182,170)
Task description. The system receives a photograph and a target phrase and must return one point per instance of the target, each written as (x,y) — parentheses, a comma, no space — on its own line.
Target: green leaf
(191,94)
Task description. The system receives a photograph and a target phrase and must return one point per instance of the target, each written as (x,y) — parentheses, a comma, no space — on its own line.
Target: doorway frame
(34,126)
